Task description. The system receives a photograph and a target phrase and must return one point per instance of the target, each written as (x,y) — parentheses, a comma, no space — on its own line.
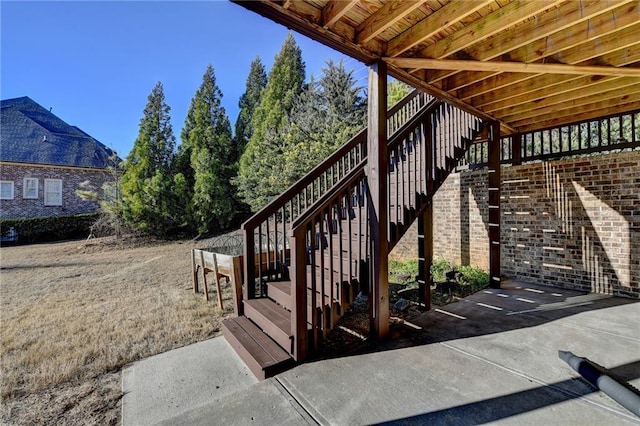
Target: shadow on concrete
(514,306)
(494,409)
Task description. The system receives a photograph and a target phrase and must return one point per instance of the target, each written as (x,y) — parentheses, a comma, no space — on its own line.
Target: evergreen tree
(345,107)
(261,160)
(207,136)
(147,185)
(325,116)
(396,90)
(256,82)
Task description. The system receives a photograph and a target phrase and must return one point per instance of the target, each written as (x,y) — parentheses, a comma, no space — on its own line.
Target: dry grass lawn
(74,313)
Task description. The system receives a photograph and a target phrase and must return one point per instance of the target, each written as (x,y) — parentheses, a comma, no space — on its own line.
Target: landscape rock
(401,304)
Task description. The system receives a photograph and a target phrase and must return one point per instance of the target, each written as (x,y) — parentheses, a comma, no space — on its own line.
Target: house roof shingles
(29,133)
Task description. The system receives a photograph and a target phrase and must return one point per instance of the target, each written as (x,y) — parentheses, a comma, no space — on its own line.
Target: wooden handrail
(410,125)
(402,102)
(348,179)
(304,181)
(354,173)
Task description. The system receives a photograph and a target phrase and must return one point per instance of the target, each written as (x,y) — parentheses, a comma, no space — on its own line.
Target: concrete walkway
(490,358)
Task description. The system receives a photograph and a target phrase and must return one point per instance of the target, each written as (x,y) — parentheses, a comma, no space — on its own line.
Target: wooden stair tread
(262,355)
(274,313)
(283,286)
(280,292)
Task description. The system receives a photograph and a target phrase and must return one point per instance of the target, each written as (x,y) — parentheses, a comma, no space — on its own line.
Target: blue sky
(94,63)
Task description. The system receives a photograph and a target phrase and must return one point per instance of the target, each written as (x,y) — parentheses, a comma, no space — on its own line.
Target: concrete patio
(489,358)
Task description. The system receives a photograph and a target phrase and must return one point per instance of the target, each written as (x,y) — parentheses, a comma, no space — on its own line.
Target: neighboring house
(43,161)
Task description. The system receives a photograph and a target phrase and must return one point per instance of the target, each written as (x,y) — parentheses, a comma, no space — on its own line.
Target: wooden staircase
(310,246)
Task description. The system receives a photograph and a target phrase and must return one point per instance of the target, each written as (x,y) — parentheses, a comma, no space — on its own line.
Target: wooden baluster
(269,266)
(260,256)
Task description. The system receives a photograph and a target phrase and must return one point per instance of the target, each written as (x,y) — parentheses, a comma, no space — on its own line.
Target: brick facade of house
(71,177)
(573,223)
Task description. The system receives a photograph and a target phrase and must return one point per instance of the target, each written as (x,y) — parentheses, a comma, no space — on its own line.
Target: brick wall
(71,178)
(572,223)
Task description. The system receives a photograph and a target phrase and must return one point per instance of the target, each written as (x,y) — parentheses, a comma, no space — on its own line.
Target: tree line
(215,178)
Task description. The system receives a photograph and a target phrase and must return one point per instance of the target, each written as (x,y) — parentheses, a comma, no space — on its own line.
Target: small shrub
(403,272)
(473,276)
(439,268)
(410,267)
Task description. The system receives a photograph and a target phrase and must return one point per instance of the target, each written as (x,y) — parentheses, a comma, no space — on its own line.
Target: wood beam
(446,16)
(516,149)
(603,28)
(377,168)
(419,83)
(425,220)
(531,95)
(334,10)
(605,88)
(385,17)
(586,33)
(298,294)
(504,17)
(506,89)
(531,68)
(494,187)
(535,113)
(577,113)
(565,16)
(310,26)
(604,45)
(486,92)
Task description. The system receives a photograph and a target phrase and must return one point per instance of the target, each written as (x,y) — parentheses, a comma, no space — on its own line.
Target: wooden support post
(299,296)
(425,254)
(516,149)
(377,177)
(494,204)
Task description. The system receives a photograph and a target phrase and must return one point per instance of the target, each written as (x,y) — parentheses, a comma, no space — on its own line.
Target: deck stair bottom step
(261,354)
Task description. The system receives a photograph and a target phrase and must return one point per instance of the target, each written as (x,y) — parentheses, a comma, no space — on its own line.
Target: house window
(30,188)
(52,192)
(6,190)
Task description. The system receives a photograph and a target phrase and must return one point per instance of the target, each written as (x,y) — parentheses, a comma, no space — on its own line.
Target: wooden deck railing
(620,131)
(330,250)
(330,241)
(417,167)
(266,233)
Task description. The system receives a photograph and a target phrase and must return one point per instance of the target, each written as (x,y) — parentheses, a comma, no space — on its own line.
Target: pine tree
(262,157)
(396,90)
(325,116)
(256,82)
(147,185)
(207,136)
(343,102)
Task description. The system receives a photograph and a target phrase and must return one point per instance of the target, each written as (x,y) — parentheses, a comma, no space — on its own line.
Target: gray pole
(615,390)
